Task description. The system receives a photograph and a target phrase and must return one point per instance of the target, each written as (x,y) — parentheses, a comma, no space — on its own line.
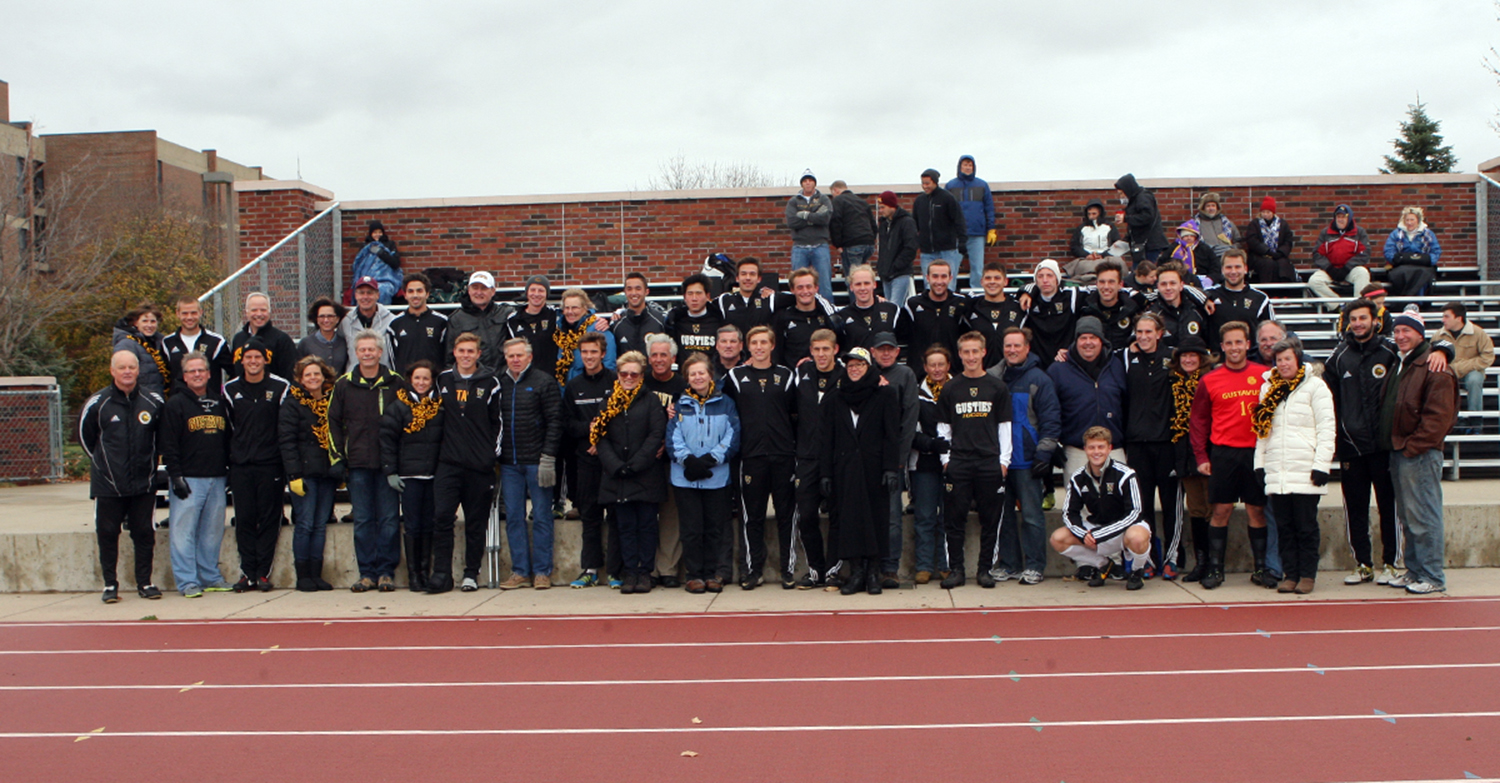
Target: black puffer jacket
(1142,218)
(355,407)
(405,453)
(853,220)
(488,324)
(531,407)
(118,431)
(631,441)
(898,245)
(302,454)
(940,219)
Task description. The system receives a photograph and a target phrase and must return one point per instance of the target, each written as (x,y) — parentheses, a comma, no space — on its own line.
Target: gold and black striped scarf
(935,388)
(1276,393)
(567,341)
(1184,389)
(422,410)
(156,356)
(319,407)
(619,400)
(702,398)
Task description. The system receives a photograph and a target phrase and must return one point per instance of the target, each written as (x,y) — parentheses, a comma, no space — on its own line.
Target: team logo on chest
(269,395)
(1124,323)
(695,328)
(973,392)
(1378,371)
(1192,327)
(1252,380)
(429,331)
(1110,487)
(143,417)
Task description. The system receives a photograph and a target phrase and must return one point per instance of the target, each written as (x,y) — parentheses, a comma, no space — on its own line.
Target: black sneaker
(806,582)
(244,585)
(1098,577)
(1085,573)
(111,594)
(955,578)
(751,582)
(1136,580)
(788,582)
(985,579)
(151,592)
(263,584)
(669,581)
(1212,579)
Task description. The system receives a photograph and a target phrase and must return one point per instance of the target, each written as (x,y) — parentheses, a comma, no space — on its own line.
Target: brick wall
(117,169)
(596,241)
(268,215)
(181,190)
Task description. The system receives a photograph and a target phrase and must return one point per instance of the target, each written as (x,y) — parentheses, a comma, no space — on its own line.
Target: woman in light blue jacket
(1411,253)
(702,438)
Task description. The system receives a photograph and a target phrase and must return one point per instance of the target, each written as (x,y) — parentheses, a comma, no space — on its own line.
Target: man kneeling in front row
(1102,515)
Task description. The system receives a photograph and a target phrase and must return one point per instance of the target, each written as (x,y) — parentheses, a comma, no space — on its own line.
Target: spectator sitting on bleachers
(1411,255)
(1269,241)
(1376,293)
(1195,256)
(1140,282)
(1340,256)
(1215,228)
(1473,353)
(1090,244)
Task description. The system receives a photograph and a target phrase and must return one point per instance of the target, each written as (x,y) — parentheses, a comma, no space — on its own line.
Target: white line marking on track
(933,612)
(597,730)
(751,643)
(1013,676)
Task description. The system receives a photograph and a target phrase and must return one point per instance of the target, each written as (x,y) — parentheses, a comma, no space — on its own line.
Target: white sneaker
(1003,574)
(1360,574)
(1423,587)
(1031,576)
(1387,573)
(1402,579)
(469,585)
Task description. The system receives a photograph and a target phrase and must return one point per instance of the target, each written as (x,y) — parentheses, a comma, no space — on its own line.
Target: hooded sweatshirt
(1142,218)
(1093,236)
(1340,250)
(488,323)
(974,199)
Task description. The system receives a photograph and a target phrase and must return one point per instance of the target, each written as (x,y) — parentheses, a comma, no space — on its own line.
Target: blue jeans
(377,523)
(638,535)
(819,258)
(927,522)
(854,255)
(1473,390)
(951,256)
(892,562)
(974,247)
(897,290)
(1273,544)
(196,528)
(1023,546)
(310,515)
(1419,509)
(530,555)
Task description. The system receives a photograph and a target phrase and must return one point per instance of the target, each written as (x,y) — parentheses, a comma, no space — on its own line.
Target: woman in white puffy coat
(1294,425)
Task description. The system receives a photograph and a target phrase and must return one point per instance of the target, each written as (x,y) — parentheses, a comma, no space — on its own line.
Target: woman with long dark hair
(411,435)
(140,333)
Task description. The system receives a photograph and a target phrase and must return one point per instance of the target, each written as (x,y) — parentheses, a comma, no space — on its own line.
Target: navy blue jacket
(1086,402)
(1036,416)
(974,198)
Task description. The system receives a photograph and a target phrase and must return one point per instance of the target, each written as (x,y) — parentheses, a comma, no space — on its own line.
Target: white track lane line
(1415,667)
(931,612)
(769,643)
(697,729)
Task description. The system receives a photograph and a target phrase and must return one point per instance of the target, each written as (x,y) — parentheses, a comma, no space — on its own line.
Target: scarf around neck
(1276,393)
(619,400)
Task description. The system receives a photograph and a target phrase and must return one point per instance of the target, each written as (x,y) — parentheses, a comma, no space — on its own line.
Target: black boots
(855,580)
(305,583)
(1259,576)
(439,582)
(1200,550)
(873,577)
(1218,540)
(416,563)
(315,573)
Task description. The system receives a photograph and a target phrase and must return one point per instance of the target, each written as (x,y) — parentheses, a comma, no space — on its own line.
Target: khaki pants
(668,544)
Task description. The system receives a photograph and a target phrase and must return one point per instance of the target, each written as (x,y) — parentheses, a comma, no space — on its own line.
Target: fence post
(219,313)
(337,240)
(55,403)
(1482,226)
(302,282)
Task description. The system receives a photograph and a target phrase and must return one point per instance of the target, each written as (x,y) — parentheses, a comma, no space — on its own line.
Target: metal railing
(294,272)
(31,434)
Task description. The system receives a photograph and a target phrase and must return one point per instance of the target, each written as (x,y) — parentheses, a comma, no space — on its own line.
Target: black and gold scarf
(567,341)
(156,356)
(422,410)
(1184,389)
(1276,393)
(319,407)
(619,400)
(702,398)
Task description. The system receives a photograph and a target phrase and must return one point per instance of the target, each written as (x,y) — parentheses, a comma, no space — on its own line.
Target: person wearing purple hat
(1195,255)
(898,248)
(808,213)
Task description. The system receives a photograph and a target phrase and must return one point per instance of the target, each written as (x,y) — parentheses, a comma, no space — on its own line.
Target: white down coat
(1302,437)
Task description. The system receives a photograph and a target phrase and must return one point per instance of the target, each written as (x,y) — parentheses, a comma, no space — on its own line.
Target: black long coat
(633,438)
(856,457)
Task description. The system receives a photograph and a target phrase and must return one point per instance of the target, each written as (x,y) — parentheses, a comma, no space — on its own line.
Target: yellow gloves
(297,488)
(992,237)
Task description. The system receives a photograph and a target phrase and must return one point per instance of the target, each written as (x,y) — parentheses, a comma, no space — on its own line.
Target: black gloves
(1319,478)
(1260,476)
(709,461)
(338,472)
(941,446)
(1041,468)
(696,468)
(180,488)
(826,484)
(624,471)
(892,480)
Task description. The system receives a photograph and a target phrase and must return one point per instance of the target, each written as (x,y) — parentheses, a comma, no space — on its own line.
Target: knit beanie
(888,198)
(1410,317)
(1089,325)
(1049,265)
(1268,204)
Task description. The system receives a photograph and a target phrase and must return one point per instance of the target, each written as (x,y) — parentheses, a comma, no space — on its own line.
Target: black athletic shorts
(1233,478)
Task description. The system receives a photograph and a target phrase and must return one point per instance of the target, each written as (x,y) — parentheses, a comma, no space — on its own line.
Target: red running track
(1328,691)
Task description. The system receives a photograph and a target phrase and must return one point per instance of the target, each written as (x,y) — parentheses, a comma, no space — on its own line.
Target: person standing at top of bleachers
(1412,252)
(808,213)
(1269,240)
(978,206)
(1235,299)
(1341,255)
(1140,220)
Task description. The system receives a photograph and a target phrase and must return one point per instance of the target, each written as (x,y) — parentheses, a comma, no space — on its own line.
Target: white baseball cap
(483,278)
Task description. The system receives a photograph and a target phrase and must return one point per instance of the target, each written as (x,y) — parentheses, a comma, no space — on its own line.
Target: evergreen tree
(1420,150)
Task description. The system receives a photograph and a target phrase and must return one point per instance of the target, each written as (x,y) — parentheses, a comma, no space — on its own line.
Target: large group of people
(1164,390)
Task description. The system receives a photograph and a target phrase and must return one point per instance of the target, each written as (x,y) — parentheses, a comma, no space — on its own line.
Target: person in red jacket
(1341,255)
(1224,447)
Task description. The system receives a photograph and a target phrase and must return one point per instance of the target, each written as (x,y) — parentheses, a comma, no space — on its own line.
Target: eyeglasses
(321,316)
(629,374)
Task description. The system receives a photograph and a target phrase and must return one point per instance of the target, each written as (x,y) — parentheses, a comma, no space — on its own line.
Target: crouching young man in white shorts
(1102,516)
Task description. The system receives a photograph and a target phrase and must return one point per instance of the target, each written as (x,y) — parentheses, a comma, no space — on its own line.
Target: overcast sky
(386,100)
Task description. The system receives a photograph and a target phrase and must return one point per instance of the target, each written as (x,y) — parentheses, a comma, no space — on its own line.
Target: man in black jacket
(1112,306)
(532,411)
(898,376)
(813,380)
(795,325)
(480,315)
(191,336)
(1235,299)
(277,346)
(420,332)
(940,224)
(1141,220)
(1101,516)
(638,319)
(256,475)
(937,314)
(865,315)
(583,398)
(118,430)
(194,441)
(466,462)
(898,249)
(763,393)
(853,226)
(355,407)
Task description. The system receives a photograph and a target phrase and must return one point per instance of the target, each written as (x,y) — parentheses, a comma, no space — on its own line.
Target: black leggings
(1297,528)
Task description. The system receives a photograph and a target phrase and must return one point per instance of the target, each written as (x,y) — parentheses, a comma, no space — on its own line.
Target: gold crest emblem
(973,392)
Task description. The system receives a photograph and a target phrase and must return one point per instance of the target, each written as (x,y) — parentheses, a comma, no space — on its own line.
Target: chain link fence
(294,272)
(31,436)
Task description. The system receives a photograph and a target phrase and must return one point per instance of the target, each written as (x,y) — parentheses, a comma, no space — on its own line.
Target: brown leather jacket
(1426,406)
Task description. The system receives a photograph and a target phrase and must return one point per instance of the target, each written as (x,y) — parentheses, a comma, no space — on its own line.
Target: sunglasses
(629,374)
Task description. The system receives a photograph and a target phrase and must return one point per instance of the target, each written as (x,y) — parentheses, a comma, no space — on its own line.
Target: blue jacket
(1086,402)
(609,353)
(371,260)
(1036,420)
(1424,242)
(974,197)
(712,428)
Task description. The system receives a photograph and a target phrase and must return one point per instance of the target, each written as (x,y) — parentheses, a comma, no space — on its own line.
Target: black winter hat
(1191,344)
(1089,325)
(254,344)
(933,175)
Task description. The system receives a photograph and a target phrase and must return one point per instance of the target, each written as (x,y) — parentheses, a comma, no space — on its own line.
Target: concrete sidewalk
(343,605)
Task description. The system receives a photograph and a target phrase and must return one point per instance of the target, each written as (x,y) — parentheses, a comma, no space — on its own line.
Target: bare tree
(50,260)
(1492,64)
(676,173)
